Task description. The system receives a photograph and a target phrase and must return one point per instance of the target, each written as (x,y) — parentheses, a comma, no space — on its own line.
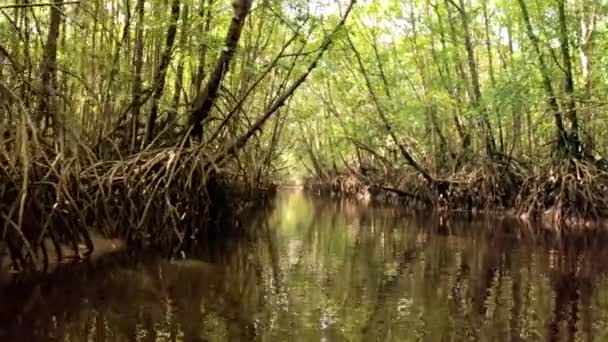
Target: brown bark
(588,26)
(137,80)
(179,79)
(486,21)
(567,62)
(433,128)
(205,12)
(457,59)
(206,99)
(48,71)
(108,96)
(161,72)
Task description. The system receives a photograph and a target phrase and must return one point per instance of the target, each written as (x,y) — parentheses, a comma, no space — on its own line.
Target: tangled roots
(566,193)
(47,196)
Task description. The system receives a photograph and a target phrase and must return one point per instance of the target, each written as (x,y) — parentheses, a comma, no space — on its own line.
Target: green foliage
(416,60)
(413,55)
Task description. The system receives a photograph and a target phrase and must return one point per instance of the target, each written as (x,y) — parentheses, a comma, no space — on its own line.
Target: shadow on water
(334,271)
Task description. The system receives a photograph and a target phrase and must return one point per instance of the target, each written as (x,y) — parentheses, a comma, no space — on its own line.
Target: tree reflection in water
(334,271)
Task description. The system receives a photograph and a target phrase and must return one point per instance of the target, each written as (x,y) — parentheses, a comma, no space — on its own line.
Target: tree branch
(458,8)
(45,4)
(280,101)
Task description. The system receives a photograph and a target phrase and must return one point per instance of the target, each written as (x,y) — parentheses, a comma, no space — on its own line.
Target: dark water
(319,270)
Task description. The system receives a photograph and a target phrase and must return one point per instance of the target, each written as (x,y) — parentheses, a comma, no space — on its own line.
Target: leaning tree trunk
(109,92)
(544,70)
(475,84)
(455,89)
(233,149)
(387,125)
(161,72)
(206,99)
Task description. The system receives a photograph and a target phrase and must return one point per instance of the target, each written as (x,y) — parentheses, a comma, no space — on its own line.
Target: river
(329,270)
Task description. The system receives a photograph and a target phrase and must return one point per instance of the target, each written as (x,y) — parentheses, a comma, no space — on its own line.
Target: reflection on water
(332,271)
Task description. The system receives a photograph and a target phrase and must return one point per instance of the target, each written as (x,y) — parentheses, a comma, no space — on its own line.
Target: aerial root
(566,194)
(48,198)
(342,184)
(561,193)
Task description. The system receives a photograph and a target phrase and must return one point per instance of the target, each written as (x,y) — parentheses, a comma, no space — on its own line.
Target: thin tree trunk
(108,96)
(179,79)
(137,80)
(586,46)
(433,129)
(544,70)
(457,91)
(475,85)
(486,21)
(405,153)
(458,64)
(161,72)
(507,63)
(588,23)
(285,95)
(205,12)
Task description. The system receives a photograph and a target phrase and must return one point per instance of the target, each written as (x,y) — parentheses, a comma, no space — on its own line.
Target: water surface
(328,270)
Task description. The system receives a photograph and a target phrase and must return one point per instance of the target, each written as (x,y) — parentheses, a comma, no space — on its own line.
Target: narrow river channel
(329,270)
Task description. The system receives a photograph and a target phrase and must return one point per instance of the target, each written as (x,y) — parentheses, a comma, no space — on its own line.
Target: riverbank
(555,196)
(161,198)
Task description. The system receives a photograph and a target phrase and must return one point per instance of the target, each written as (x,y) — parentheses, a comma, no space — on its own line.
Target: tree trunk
(137,80)
(551,98)
(433,128)
(48,71)
(588,24)
(161,72)
(486,21)
(285,95)
(206,99)
(205,13)
(387,125)
(109,93)
(179,79)
(456,91)
(475,85)
(567,66)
